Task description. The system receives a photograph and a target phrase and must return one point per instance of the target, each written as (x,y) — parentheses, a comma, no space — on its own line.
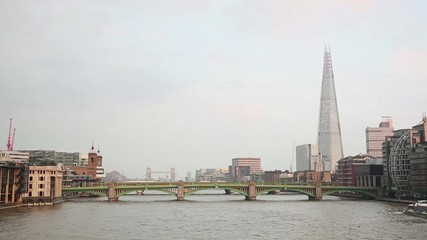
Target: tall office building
(375,137)
(307,156)
(329,134)
(243,167)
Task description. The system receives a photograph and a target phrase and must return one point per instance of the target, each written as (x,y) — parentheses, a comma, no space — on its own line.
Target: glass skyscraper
(329,133)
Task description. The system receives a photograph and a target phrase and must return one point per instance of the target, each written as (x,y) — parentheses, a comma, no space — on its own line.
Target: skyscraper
(329,133)
(306,157)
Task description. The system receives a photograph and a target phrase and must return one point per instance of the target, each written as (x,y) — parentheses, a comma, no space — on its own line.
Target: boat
(418,209)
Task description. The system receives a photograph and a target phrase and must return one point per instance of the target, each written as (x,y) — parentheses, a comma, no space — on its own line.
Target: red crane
(13,139)
(8,138)
(10,142)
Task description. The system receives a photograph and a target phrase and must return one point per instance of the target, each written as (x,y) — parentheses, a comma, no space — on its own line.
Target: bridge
(250,189)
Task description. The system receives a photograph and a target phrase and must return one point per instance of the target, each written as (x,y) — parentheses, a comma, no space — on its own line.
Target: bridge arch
(192,191)
(309,194)
(364,193)
(124,192)
(98,193)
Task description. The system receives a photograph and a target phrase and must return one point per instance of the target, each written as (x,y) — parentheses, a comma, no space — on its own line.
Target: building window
(41,186)
(31,178)
(41,194)
(41,178)
(30,194)
(31,186)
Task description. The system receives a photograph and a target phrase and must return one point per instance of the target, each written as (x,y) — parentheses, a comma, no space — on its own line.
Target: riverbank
(10,205)
(396,200)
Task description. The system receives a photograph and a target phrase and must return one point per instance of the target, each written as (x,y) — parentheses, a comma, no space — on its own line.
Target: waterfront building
(307,156)
(405,163)
(241,168)
(375,137)
(44,185)
(369,175)
(359,170)
(418,174)
(13,178)
(329,131)
(397,160)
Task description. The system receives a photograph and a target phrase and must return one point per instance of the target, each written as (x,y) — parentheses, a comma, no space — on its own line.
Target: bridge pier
(112,194)
(180,193)
(251,191)
(317,192)
(139,193)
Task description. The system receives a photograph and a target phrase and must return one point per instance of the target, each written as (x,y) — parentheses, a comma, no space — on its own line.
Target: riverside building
(13,177)
(405,162)
(44,185)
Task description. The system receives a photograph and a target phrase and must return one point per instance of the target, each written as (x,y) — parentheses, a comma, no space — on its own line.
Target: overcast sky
(193,84)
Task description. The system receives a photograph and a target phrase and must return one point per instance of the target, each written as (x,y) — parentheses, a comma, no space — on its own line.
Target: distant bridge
(250,190)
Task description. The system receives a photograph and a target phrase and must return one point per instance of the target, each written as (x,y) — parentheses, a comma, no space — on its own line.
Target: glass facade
(329,133)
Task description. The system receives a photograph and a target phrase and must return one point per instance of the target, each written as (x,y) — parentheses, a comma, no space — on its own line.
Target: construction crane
(13,139)
(10,142)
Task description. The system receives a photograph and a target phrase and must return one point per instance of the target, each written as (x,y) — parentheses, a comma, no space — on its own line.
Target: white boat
(417,209)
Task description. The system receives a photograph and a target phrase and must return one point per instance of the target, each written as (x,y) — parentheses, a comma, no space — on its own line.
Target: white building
(14,156)
(376,136)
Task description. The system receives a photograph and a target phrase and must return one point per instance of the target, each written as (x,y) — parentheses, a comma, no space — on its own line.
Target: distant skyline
(193,84)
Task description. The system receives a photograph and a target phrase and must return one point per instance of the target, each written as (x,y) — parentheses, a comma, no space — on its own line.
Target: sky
(192,84)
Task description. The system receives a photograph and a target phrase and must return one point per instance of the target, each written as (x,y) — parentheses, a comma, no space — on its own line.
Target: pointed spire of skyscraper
(329,132)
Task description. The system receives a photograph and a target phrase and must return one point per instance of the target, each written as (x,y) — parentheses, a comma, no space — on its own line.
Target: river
(212,215)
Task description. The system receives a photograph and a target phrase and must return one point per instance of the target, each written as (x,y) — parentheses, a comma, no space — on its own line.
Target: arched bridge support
(180,191)
(251,191)
(318,193)
(112,193)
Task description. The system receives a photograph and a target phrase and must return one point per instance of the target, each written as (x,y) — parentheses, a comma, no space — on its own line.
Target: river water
(212,215)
